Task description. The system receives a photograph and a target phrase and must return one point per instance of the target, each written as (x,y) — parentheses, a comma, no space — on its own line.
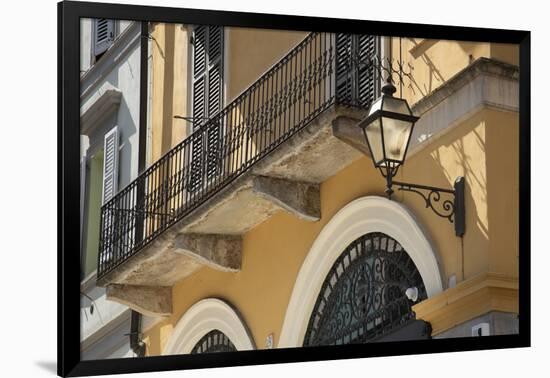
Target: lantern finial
(388,89)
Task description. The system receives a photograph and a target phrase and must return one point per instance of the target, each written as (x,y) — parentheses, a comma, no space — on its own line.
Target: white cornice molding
(359,217)
(482,66)
(94,114)
(485,84)
(106,329)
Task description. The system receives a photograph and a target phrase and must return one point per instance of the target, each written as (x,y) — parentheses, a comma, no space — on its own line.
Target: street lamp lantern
(388,128)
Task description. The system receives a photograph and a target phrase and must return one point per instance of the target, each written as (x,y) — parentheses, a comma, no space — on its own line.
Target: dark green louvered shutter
(344,68)
(367,78)
(103,35)
(215,99)
(356,79)
(200,73)
(207,101)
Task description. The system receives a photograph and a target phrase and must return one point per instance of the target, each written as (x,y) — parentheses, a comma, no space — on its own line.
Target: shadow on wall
(420,51)
(128,127)
(430,75)
(484,151)
(462,153)
(163,49)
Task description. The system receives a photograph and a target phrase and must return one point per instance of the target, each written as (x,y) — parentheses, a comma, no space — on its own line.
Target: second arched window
(213,342)
(367,296)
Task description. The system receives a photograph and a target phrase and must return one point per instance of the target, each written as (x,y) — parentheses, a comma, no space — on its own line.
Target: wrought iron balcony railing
(323,70)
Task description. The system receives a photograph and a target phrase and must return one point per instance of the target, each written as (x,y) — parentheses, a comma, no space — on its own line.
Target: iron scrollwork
(364,296)
(453,210)
(432,197)
(401,73)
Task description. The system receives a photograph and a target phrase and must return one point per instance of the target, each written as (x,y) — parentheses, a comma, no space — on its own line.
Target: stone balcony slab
(288,179)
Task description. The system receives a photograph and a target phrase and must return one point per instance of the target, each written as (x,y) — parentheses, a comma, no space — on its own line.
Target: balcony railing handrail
(238,98)
(295,90)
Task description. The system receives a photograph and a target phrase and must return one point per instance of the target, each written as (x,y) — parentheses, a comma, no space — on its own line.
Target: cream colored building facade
(250,262)
(109,131)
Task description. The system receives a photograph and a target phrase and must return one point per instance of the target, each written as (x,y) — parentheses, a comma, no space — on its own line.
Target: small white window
(103,36)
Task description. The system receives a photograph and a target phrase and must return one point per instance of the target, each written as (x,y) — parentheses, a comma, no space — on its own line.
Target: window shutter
(110,165)
(215,70)
(200,40)
(215,99)
(104,34)
(367,75)
(207,101)
(344,72)
(355,77)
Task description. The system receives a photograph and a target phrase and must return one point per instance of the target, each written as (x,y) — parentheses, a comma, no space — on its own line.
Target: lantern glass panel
(373,132)
(376,105)
(396,136)
(396,105)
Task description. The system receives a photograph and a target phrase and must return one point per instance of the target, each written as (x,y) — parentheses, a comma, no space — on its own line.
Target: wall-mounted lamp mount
(388,128)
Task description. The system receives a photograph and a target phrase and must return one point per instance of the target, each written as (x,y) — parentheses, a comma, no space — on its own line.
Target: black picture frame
(69,13)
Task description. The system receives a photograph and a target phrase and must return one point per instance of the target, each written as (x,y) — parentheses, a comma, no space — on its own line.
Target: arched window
(363,297)
(214,341)
(362,216)
(210,325)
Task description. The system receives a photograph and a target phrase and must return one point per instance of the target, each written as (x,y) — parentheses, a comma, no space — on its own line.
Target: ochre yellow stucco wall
(251,52)
(434,62)
(169,49)
(483,148)
(171,74)
(244,66)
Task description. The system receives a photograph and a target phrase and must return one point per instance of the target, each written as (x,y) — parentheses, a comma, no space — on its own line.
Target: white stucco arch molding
(359,217)
(204,316)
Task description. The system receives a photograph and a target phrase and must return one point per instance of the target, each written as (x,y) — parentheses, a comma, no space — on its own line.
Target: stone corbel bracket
(347,130)
(220,252)
(148,300)
(298,198)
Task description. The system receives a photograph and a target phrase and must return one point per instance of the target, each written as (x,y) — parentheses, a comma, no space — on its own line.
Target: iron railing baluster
(281,102)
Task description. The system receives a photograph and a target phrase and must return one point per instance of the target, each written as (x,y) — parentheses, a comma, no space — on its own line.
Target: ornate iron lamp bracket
(451,209)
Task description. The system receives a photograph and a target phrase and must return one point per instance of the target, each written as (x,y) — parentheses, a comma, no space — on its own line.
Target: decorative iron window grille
(325,69)
(363,296)
(213,342)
